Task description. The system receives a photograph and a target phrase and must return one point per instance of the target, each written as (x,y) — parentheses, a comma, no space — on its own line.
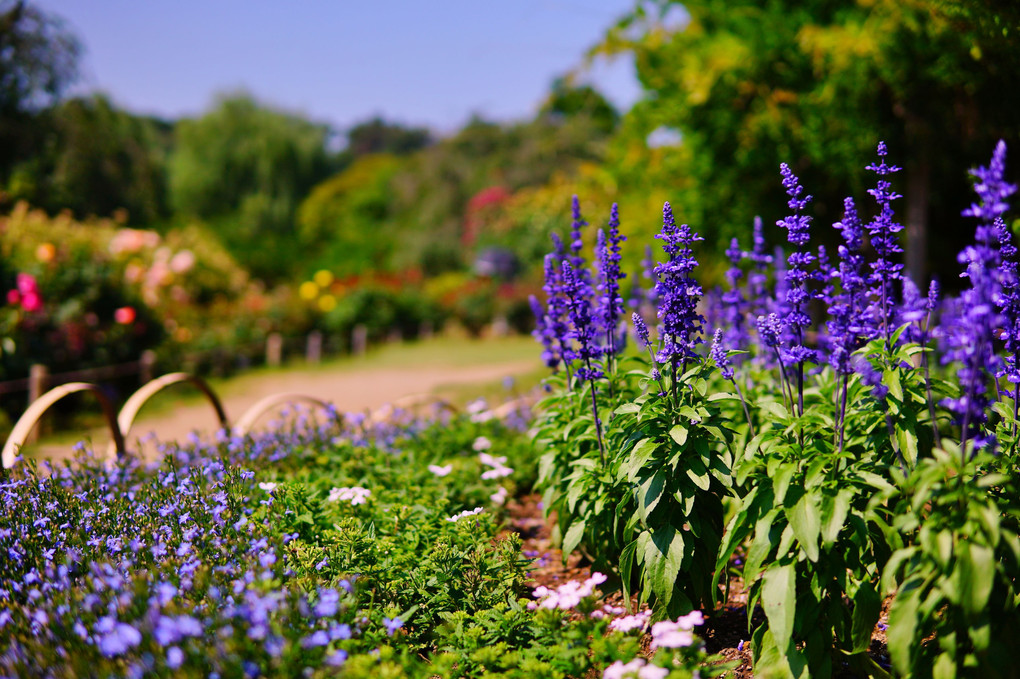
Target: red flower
(124,315)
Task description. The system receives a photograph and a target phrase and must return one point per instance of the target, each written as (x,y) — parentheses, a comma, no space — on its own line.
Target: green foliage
(96,159)
(38,61)
(955,610)
(816,84)
(246,168)
(341,217)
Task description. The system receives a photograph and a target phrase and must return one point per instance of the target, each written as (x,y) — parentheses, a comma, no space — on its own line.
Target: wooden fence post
(37,377)
(146,366)
(274,350)
(313,352)
(359,340)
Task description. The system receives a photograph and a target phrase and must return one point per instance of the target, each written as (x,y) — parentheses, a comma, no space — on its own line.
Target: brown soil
(725,631)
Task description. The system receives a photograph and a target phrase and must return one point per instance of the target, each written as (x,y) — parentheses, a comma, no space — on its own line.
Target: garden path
(351,388)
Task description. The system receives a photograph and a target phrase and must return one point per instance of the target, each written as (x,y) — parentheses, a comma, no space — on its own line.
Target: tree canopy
(818,84)
(246,167)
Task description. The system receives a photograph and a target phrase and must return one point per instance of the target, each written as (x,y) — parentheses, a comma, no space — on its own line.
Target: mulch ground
(725,630)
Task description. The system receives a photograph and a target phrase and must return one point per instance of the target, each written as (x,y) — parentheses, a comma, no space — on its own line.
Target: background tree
(38,61)
(378,136)
(818,84)
(96,159)
(245,168)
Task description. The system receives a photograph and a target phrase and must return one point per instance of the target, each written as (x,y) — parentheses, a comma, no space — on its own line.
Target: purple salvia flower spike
(610,303)
(971,338)
(884,232)
(992,188)
(734,305)
(844,329)
(718,355)
(679,293)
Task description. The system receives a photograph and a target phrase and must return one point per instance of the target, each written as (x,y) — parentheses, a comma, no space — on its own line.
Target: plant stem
(747,413)
(842,413)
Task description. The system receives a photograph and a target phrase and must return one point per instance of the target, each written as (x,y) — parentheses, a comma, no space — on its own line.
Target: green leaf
(664,555)
(891,379)
(627,558)
(834,511)
(902,627)
(778,598)
(907,441)
(781,481)
(573,536)
(649,493)
(776,410)
(628,408)
(639,455)
(805,521)
(982,577)
(679,434)
(867,608)
(702,481)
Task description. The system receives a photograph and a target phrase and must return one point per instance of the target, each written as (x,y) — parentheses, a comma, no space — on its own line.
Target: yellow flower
(323,278)
(327,303)
(308,290)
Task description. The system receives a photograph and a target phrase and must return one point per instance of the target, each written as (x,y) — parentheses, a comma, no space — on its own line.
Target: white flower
(355,495)
(269,487)
(499,497)
(638,667)
(491,460)
(638,621)
(440,471)
(669,634)
(566,596)
(476,406)
(497,473)
(481,443)
(498,464)
(465,513)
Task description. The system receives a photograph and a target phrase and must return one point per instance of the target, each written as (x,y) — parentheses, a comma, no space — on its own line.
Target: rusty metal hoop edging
(129,411)
(410,403)
(23,427)
(261,407)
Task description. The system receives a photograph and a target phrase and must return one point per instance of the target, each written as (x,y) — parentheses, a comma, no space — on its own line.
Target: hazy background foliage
(730,89)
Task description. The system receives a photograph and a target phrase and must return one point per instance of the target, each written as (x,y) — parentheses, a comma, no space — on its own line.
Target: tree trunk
(918,188)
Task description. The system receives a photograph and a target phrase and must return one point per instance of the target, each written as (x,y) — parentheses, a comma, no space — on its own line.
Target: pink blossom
(125,315)
(638,621)
(669,634)
(567,595)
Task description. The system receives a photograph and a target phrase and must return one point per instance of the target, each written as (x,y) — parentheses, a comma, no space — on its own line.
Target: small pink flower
(124,315)
(27,284)
(31,301)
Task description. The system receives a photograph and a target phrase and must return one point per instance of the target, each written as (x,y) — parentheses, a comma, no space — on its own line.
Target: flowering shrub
(828,450)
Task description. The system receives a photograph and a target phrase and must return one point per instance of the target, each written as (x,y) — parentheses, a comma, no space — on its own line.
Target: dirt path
(350,388)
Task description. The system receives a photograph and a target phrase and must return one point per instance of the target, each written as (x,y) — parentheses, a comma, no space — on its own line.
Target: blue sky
(340,62)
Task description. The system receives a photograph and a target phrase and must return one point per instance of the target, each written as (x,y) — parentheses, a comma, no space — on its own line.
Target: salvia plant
(845,443)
